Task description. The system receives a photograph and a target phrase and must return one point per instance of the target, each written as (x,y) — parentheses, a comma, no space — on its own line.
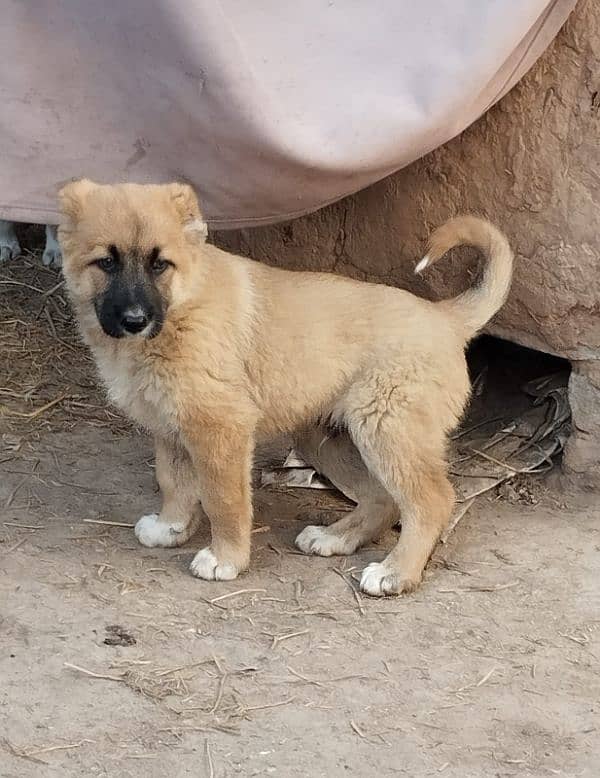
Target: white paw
(9,249)
(52,253)
(151,531)
(379,579)
(52,256)
(317,540)
(206,565)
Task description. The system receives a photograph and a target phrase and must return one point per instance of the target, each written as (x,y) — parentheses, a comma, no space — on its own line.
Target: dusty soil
(115,662)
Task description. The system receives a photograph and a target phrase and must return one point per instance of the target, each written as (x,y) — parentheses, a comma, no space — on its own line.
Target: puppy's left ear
(186,204)
(72,198)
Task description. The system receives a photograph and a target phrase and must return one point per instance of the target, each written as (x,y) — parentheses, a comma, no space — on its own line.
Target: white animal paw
(320,541)
(9,245)
(206,565)
(52,257)
(378,579)
(151,531)
(52,253)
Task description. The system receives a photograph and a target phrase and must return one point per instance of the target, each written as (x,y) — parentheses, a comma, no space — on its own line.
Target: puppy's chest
(142,392)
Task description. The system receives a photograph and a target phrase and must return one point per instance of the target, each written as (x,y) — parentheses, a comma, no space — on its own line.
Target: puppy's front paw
(206,565)
(321,541)
(379,579)
(152,532)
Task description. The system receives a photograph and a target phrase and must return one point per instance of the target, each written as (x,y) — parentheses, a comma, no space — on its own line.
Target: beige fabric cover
(270,108)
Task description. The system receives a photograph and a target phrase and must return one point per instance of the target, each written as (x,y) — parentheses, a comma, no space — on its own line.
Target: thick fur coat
(211,352)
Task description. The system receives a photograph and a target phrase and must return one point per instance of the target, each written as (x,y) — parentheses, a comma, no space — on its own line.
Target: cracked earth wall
(532,165)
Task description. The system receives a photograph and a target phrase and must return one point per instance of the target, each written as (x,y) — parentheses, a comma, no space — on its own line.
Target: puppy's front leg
(223,460)
(180,513)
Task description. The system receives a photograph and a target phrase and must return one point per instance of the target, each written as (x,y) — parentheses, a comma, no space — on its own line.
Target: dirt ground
(115,662)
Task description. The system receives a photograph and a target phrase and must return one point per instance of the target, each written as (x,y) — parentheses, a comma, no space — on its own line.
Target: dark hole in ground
(499,370)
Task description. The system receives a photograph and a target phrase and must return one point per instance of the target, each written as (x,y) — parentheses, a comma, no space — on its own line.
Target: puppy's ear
(186,204)
(72,198)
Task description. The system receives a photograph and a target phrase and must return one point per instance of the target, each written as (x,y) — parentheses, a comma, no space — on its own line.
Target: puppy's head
(128,253)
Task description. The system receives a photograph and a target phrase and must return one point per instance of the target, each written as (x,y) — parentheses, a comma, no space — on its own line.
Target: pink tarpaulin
(270,109)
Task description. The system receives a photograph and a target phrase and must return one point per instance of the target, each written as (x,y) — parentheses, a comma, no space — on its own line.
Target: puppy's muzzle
(124,311)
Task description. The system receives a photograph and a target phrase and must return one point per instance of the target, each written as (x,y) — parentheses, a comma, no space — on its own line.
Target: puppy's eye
(108,264)
(159,265)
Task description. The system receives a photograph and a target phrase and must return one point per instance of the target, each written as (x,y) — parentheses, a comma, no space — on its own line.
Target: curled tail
(477,305)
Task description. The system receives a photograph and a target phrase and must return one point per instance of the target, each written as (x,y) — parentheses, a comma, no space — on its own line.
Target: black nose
(134,320)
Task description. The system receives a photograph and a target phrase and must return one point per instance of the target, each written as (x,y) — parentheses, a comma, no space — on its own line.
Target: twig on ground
(277,639)
(211,769)
(92,674)
(16,545)
(355,593)
(23,526)
(455,519)
(305,679)
(234,594)
(220,690)
(38,411)
(248,708)
(109,523)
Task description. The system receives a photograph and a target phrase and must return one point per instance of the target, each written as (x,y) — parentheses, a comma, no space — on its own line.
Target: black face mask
(131,303)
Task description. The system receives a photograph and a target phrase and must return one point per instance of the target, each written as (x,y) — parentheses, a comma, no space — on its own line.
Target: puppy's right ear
(186,204)
(72,198)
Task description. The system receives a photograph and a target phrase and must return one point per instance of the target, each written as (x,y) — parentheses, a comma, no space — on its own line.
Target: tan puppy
(212,352)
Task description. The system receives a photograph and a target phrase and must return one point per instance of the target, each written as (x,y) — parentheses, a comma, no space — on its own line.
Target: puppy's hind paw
(379,580)
(206,565)
(320,541)
(152,532)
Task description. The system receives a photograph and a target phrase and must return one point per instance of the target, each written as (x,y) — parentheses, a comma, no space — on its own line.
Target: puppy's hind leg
(180,513)
(408,460)
(338,459)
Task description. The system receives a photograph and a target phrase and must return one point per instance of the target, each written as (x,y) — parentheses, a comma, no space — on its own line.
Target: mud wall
(532,165)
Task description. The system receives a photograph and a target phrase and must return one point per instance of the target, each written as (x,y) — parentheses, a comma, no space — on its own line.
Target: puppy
(211,352)
(10,247)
